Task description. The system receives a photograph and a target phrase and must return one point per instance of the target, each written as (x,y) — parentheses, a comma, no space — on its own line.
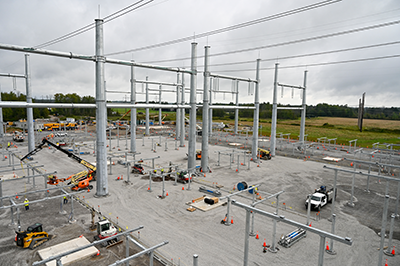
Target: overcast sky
(31,23)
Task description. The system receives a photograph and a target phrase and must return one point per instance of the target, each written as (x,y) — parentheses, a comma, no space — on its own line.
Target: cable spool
(242,186)
(253,190)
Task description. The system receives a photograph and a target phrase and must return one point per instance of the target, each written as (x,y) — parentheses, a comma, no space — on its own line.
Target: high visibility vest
(26,202)
(65,197)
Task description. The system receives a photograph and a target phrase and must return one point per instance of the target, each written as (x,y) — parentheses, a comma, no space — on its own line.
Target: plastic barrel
(242,186)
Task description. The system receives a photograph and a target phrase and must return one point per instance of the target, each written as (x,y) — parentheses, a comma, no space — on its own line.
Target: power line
(320,64)
(234,27)
(92,25)
(310,54)
(290,42)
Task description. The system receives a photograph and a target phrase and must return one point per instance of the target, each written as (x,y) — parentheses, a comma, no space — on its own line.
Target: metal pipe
(256,112)
(183,111)
(308,209)
(334,193)
(383,228)
(178,111)
(195,260)
(321,251)
(344,240)
(303,110)
(289,108)
(233,78)
(147,131)
(204,135)
(133,112)
(39,200)
(12,75)
(331,251)
(210,111)
(235,130)
(192,123)
(246,239)
(86,246)
(274,112)
(101,111)
(29,111)
(389,249)
(148,250)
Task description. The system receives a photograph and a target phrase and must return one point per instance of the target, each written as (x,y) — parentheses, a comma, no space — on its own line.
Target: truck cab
(318,200)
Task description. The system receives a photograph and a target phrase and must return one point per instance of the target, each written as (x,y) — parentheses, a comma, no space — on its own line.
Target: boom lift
(79,180)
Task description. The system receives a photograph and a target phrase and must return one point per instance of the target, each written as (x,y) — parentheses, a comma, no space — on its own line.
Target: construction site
(175,215)
(189,192)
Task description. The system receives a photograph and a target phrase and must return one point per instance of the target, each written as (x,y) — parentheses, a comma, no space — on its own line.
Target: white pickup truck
(320,198)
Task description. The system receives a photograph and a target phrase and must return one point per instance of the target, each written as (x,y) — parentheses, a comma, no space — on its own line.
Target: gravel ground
(202,233)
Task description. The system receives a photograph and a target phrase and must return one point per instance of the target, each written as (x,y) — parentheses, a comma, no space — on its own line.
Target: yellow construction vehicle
(264,154)
(33,237)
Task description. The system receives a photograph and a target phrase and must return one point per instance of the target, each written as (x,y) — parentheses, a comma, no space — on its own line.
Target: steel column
(192,120)
(101,115)
(274,113)
(147,131)
(383,229)
(204,135)
(133,112)
(29,111)
(235,130)
(178,111)
(246,239)
(256,112)
(303,111)
(183,111)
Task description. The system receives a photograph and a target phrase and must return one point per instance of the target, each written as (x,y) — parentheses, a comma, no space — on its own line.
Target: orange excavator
(79,180)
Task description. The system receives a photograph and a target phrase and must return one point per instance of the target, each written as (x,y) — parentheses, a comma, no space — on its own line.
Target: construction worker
(162,170)
(65,200)
(8,145)
(26,204)
(155,171)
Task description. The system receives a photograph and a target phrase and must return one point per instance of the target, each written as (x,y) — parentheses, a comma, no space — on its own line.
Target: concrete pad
(9,176)
(201,205)
(332,159)
(67,246)
(235,144)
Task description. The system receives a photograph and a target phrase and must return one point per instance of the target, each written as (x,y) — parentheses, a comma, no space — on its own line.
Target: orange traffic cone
(257,237)
(98,253)
(232,220)
(327,246)
(310,224)
(386,264)
(88,190)
(167,193)
(265,243)
(183,188)
(393,252)
(148,188)
(16,195)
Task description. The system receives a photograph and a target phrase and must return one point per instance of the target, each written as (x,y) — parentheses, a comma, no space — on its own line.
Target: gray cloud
(30,23)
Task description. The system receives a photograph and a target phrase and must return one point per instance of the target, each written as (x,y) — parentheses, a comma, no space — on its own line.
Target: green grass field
(344,129)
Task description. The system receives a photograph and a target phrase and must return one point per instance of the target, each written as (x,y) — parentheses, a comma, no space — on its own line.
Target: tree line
(322,109)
